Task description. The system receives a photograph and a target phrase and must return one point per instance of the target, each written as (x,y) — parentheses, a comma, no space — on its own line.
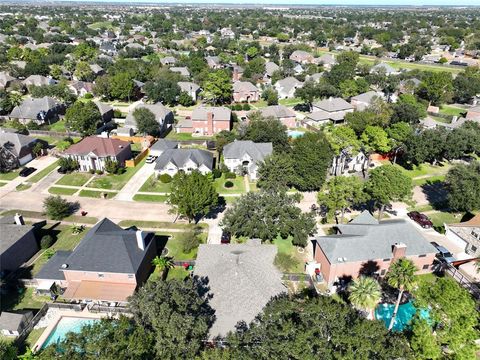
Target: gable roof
(164,144)
(31,107)
(366,97)
(160,111)
(179,157)
(271,67)
(288,84)
(220,113)
(11,232)
(18,141)
(277,111)
(384,66)
(102,107)
(257,151)
(38,80)
(244,86)
(52,270)
(188,86)
(100,146)
(333,104)
(108,248)
(242,280)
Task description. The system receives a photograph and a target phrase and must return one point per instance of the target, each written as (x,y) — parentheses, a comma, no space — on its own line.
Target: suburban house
(286,87)
(333,108)
(18,243)
(466,235)
(246,155)
(270,68)
(107,265)
(181,70)
(168,60)
(327,60)
(40,110)
(81,88)
(280,112)
(346,163)
(367,245)
(213,62)
(161,145)
(92,152)
(163,115)
(12,324)
(384,68)
(172,161)
(242,280)
(38,80)
(190,88)
(5,80)
(206,121)
(362,101)
(16,149)
(245,91)
(301,57)
(106,111)
(473,113)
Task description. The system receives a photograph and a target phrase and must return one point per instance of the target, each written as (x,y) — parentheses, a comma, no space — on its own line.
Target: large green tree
(276,172)
(269,129)
(217,88)
(423,341)
(83,117)
(165,91)
(146,122)
(192,195)
(463,186)
(436,87)
(408,109)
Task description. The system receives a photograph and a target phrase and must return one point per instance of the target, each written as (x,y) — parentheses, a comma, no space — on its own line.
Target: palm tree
(162,263)
(365,294)
(401,276)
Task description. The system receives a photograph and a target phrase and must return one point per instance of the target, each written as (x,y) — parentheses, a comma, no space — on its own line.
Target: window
(423,255)
(475,234)
(130,276)
(425,267)
(101,275)
(474,248)
(386,259)
(383,272)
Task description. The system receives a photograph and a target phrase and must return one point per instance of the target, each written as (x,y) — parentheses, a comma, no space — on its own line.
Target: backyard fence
(61,305)
(464,281)
(26,330)
(54,133)
(109,309)
(134,162)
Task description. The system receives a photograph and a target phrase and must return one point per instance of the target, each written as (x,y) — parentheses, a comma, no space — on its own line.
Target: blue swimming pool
(65,325)
(405,314)
(295,133)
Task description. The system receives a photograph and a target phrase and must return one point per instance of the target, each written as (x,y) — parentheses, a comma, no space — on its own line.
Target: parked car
(420,219)
(61,170)
(150,159)
(226,237)
(443,254)
(26,171)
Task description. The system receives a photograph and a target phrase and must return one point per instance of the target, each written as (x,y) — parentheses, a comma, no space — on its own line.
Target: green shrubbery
(165,178)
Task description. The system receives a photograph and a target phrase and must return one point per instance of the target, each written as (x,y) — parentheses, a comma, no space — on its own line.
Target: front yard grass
(423,181)
(178,272)
(7,176)
(290,102)
(41,174)
(172,135)
(238,185)
(285,246)
(58,126)
(74,179)
(452,110)
(174,246)
(23,186)
(115,182)
(150,198)
(153,184)
(55,190)
(97,194)
(440,218)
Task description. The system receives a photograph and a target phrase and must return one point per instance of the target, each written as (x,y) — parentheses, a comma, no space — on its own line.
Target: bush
(91,171)
(46,241)
(188,241)
(32,125)
(68,164)
(112,166)
(165,178)
(217,173)
(228,184)
(99,172)
(58,208)
(118,114)
(238,107)
(246,107)
(88,96)
(230,175)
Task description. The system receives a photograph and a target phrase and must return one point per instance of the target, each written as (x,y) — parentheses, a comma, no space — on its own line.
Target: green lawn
(61,191)
(96,194)
(41,174)
(426,170)
(58,126)
(33,336)
(155,185)
(115,182)
(41,215)
(440,218)
(285,246)
(9,175)
(172,135)
(24,298)
(423,181)
(238,185)
(290,102)
(178,272)
(452,110)
(3,183)
(175,249)
(22,187)
(74,179)
(150,198)
(101,25)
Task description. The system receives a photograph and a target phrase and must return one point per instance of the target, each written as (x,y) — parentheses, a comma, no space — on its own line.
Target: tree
(463,186)
(165,91)
(83,117)
(466,85)
(8,351)
(58,208)
(175,313)
(162,263)
(276,173)
(340,193)
(398,134)
(401,276)
(217,88)
(83,72)
(359,120)
(192,195)
(428,146)
(408,109)
(269,129)
(436,87)
(270,95)
(121,86)
(146,122)
(423,342)
(388,183)
(365,293)
(185,99)
(312,156)
(343,138)
(317,327)
(268,214)
(308,93)
(374,139)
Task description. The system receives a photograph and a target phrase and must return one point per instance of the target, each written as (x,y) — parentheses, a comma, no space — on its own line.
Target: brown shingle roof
(99,146)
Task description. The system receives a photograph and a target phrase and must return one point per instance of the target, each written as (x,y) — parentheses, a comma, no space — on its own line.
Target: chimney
(399,250)
(140,239)
(210,122)
(19,219)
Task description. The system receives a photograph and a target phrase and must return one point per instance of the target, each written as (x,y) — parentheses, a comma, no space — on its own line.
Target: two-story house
(206,121)
(172,161)
(246,156)
(245,91)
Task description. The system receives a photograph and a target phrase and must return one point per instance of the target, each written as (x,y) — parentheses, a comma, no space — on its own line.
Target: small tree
(37,149)
(112,166)
(163,264)
(57,208)
(365,293)
(46,241)
(423,341)
(146,122)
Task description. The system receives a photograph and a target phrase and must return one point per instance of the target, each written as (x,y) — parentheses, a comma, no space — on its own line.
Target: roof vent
(340,259)
(64,266)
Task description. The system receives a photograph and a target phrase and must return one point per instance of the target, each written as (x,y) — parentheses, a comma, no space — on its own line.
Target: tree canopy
(83,117)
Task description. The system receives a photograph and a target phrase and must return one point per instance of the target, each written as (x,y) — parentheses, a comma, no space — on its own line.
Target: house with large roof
(286,87)
(172,161)
(38,80)
(301,57)
(242,279)
(367,244)
(246,156)
(92,152)
(16,149)
(245,91)
(331,109)
(466,235)
(361,101)
(190,88)
(163,115)
(107,265)
(280,112)
(206,121)
(40,110)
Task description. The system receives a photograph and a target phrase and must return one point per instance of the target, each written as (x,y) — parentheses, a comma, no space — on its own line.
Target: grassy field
(150,198)
(426,170)
(285,246)
(3,183)
(186,136)
(74,179)
(290,102)
(155,185)
(440,218)
(23,299)
(96,194)
(238,185)
(423,181)
(41,174)
(61,191)
(9,175)
(115,182)
(58,126)
(452,110)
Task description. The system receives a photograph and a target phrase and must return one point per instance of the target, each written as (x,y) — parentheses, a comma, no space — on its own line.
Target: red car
(420,219)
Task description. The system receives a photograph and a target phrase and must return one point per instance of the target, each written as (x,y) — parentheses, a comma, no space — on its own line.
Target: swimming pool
(295,133)
(405,314)
(65,325)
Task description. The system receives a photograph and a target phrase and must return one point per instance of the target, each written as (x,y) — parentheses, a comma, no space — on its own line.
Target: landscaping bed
(237,188)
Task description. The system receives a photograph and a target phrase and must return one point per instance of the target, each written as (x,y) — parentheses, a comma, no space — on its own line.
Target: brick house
(283,114)
(302,57)
(93,151)
(245,91)
(206,121)
(364,244)
(466,235)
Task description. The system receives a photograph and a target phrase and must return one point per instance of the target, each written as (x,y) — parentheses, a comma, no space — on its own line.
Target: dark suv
(420,219)
(26,171)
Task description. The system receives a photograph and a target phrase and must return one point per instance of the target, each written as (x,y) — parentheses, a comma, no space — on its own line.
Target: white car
(150,159)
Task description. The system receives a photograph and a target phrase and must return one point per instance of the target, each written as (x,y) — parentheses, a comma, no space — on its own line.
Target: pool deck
(85,314)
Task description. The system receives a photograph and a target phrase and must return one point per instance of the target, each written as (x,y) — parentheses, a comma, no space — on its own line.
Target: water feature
(65,325)
(405,314)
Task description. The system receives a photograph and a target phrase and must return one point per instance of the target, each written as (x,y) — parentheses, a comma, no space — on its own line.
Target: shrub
(217,173)
(238,107)
(112,166)
(246,107)
(63,145)
(117,114)
(188,241)
(32,125)
(228,184)
(88,96)
(46,241)
(230,175)
(91,171)
(68,164)
(165,178)
(98,172)
(49,253)
(58,208)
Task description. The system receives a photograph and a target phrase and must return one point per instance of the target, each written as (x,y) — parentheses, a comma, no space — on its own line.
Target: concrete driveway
(135,182)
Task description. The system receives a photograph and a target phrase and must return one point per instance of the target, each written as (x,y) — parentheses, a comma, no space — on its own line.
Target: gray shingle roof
(38,80)
(52,270)
(164,144)
(366,239)
(180,157)
(188,86)
(257,151)
(11,232)
(109,248)
(160,112)
(333,104)
(220,113)
(277,111)
(384,67)
(31,107)
(366,97)
(244,86)
(242,279)
(17,140)
(271,67)
(14,321)
(288,84)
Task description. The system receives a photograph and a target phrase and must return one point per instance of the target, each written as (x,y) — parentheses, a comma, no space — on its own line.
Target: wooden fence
(134,162)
